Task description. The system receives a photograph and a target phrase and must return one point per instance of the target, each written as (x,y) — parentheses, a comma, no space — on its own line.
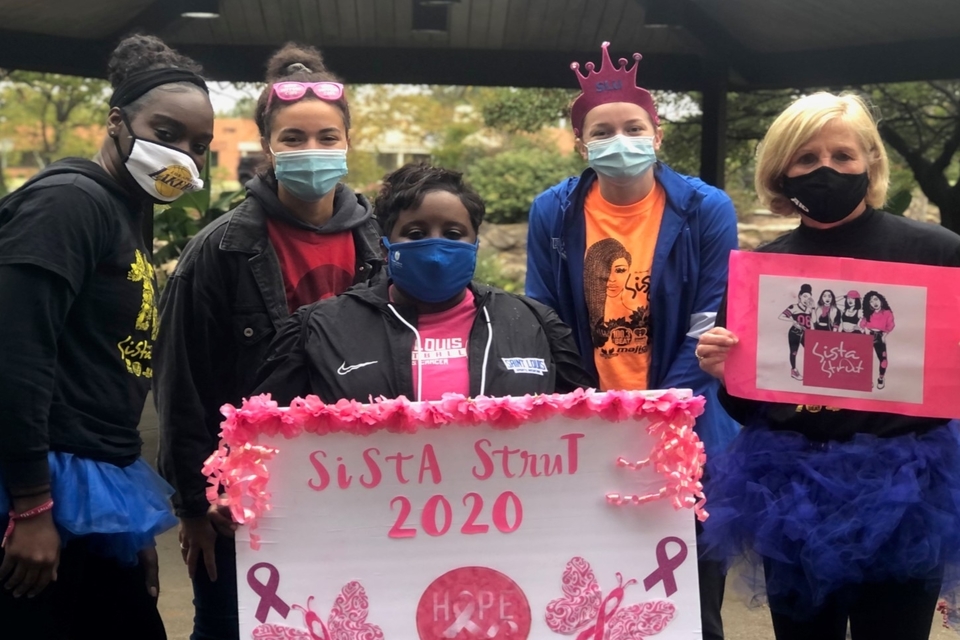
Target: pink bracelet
(26,515)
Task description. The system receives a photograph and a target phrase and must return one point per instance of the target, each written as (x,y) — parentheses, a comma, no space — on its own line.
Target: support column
(713,141)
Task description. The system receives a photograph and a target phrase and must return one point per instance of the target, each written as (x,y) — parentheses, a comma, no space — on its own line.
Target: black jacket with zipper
(355,346)
(218,314)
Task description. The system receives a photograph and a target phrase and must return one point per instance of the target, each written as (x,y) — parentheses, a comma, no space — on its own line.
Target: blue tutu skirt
(117,510)
(823,516)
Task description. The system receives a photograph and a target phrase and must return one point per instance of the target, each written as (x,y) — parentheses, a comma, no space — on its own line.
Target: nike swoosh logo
(344,369)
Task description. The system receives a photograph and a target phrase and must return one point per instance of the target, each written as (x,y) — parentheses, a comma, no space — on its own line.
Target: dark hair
(805,288)
(855,301)
(405,188)
(141,52)
(833,298)
(597,263)
(300,64)
(868,310)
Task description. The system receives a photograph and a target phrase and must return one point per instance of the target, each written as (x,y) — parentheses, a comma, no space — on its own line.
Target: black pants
(880,347)
(93,598)
(712,583)
(795,339)
(215,603)
(876,611)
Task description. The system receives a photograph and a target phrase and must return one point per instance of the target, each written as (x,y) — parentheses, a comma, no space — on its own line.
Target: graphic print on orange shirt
(314,265)
(616,282)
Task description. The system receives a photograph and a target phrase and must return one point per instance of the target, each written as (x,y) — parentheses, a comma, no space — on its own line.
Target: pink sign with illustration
(845,333)
(547,517)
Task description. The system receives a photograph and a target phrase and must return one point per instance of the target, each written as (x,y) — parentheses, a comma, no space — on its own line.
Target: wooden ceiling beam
(54,54)
(903,62)
(153,19)
(715,40)
(934,59)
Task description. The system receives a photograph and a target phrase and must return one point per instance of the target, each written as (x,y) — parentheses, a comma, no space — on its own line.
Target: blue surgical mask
(431,270)
(310,174)
(621,156)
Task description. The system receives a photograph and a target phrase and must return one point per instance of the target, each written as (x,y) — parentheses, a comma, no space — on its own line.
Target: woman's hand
(151,568)
(198,538)
(222,521)
(32,552)
(712,350)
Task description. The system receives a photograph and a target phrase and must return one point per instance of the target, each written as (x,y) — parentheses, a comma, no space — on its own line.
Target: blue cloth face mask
(310,174)
(431,270)
(621,156)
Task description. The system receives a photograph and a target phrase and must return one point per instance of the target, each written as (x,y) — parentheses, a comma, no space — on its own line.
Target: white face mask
(162,172)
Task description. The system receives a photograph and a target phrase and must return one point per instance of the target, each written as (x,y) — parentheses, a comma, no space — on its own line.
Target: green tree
(246,94)
(514,110)
(509,181)
(56,110)
(442,119)
(921,122)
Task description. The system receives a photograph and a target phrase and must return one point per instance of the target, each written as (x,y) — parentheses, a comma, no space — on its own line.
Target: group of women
(874,317)
(852,515)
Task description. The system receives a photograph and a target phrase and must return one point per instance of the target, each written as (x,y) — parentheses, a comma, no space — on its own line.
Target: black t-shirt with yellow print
(76,369)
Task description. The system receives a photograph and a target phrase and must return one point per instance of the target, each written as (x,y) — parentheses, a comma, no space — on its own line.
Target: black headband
(139,83)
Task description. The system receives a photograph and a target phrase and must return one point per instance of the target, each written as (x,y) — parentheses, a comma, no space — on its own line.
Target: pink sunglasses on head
(289,91)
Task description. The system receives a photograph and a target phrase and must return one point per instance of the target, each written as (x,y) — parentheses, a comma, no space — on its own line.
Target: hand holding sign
(713,348)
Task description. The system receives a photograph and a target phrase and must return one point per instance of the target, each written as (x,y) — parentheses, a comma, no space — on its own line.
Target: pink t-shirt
(444,337)
(881,320)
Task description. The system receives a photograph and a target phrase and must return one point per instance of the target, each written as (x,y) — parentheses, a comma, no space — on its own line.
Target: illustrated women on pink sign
(826,317)
(852,313)
(878,321)
(798,314)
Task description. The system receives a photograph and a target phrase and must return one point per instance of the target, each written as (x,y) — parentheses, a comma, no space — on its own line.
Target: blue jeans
(215,603)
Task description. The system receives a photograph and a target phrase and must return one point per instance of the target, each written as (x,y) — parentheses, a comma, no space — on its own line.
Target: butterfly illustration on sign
(348,620)
(583,610)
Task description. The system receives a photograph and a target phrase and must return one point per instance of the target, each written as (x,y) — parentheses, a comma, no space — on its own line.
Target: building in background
(235,152)
(395,148)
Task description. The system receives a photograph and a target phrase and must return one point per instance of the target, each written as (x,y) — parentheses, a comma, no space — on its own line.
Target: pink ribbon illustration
(464,620)
(267,592)
(666,565)
(597,631)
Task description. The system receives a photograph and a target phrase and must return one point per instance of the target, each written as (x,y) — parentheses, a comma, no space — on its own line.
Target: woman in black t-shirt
(852,515)
(852,314)
(78,293)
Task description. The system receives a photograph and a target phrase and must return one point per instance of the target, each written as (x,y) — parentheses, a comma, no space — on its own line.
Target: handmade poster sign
(547,517)
(844,333)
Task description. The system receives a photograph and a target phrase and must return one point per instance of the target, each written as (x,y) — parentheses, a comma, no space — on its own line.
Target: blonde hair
(801,121)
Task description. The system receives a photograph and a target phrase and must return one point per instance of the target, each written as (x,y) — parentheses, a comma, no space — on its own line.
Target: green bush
(510,180)
(489,272)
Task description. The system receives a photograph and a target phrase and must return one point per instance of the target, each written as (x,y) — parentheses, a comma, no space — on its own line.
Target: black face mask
(826,195)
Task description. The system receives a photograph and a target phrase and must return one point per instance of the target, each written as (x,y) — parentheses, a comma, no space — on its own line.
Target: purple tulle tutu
(117,510)
(822,516)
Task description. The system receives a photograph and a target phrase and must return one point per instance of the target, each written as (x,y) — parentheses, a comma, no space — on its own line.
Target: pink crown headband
(609,84)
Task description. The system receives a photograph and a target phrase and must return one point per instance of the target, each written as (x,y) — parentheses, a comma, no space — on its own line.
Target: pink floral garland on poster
(238,471)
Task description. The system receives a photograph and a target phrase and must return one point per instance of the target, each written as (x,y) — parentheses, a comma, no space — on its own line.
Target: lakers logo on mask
(172,180)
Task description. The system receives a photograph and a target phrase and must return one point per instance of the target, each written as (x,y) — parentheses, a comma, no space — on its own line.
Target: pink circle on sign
(470,603)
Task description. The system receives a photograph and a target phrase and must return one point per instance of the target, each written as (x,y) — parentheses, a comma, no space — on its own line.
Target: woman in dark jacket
(300,236)
(78,298)
(426,329)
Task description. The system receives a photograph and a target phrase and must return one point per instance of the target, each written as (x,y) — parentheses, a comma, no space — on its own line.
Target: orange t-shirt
(616,283)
